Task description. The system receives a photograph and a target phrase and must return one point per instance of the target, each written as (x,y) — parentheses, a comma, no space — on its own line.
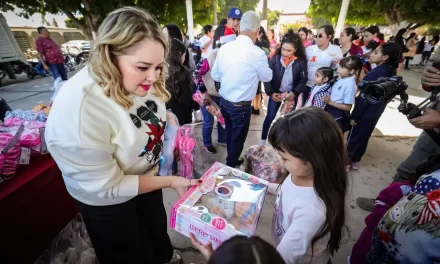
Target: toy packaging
(228,203)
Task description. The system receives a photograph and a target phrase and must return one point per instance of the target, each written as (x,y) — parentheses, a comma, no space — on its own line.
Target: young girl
(365,116)
(310,208)
(179,84)
(344,91)
(289,67)
(322,88)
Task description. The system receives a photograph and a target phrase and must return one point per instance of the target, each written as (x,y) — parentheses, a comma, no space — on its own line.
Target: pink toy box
(228,203)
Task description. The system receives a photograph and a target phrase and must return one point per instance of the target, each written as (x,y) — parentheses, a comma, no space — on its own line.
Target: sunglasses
(321,35)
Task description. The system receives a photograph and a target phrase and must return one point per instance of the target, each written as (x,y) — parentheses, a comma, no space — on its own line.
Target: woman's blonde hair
(118,34)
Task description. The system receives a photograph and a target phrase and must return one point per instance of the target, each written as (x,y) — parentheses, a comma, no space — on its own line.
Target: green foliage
(225,5)
(272,17)
(365,12)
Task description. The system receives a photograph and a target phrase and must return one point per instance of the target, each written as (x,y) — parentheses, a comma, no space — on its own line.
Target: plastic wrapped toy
(185,147)
(265,163)
(212,108)
(10,151)
(228,203)
(287,106)
(166,162)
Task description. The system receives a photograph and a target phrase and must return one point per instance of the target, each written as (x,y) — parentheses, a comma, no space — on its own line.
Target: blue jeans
(272,109)
(208,124)
(237,120)
(58,70)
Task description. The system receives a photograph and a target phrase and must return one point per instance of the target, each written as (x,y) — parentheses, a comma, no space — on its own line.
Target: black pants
(132,232)
(407,59)
(4,107)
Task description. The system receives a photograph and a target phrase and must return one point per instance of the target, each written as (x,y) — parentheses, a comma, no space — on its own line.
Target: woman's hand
(326,99)
(276,97)
(181,185)
(205,250)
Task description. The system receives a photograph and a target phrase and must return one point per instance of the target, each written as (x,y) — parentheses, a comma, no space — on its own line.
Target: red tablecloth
(34,208)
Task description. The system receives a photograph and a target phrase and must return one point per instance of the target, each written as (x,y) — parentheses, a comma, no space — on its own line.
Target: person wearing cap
(231,27)
(239,66)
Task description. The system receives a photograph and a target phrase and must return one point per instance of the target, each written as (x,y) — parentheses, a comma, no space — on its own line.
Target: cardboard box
(228,203)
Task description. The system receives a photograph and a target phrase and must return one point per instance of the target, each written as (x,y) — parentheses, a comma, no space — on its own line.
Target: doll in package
(228,203)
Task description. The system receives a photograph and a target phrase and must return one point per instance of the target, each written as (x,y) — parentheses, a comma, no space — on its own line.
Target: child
(322,88)
(427,51)
(310,208)
(365,116)
(344,91)
(238,250)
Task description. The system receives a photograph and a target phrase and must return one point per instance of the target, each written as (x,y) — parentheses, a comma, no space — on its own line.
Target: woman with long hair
(303,33)
(289,66)
(322,54)
(365,115)
(411,44)
(399,40)
(105,132)
(179,84)
(173,31)
(370,40)
(309,217)
(273,44)
(348,48)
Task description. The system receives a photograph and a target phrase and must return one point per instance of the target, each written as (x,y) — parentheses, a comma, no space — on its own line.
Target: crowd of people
(138,70)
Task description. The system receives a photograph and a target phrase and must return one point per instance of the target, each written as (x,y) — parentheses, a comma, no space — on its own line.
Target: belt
(243,103)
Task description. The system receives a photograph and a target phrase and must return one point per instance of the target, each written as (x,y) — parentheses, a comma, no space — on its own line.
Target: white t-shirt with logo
(202,41)
(318,58)
(298,216)
(344,90)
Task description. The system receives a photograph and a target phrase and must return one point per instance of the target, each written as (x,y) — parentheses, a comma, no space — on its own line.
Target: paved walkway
(390,144)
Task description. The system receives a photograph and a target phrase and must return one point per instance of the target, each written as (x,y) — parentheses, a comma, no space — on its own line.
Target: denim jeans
(58,70)
(272,109)
(208,124)
(237,120)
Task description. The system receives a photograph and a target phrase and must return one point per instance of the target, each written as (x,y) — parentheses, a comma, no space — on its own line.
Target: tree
(272,17)
(226,5)
(391,12)
(87,15)
(54,23)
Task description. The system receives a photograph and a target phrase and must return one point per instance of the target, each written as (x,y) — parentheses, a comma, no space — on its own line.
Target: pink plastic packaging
(228,203)
(10,151)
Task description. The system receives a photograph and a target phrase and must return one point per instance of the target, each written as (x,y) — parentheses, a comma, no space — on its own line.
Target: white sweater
(100,147)
(299,214)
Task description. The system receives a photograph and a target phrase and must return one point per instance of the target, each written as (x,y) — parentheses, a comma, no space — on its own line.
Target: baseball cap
(235,12)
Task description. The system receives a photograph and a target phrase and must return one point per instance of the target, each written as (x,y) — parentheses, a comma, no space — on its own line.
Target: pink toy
(10,151)
(212,108)
(228,203)
(185,144)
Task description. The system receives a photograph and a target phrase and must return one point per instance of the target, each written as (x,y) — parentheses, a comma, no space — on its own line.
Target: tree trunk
(264,14)
(214,13)
(342,16)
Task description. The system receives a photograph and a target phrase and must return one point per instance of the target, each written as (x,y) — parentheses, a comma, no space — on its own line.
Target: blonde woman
(106,131)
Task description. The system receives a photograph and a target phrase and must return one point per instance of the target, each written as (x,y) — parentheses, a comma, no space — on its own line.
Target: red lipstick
(146,87)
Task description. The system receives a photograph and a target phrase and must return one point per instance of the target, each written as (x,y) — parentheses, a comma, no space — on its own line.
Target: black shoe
(211,149)
(239,162)
(255,111)
(366,204)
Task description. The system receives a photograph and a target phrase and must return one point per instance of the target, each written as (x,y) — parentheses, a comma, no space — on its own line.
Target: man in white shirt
(205,42)
(239,66)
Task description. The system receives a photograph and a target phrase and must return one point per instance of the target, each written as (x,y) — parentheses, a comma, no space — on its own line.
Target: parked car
(75,47)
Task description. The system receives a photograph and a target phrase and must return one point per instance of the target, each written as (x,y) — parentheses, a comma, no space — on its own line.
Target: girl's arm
(299,87)
(306,222)
(343,107)
(268,85)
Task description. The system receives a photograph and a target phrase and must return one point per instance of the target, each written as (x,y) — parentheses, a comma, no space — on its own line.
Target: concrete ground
(390,144)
